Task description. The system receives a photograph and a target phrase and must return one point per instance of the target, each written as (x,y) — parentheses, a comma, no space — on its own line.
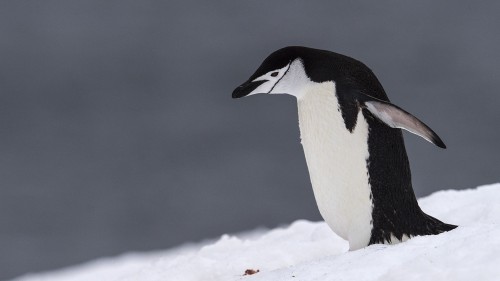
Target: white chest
(336,159)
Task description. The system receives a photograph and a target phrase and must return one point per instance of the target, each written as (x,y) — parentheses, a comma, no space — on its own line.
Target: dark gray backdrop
(118,133)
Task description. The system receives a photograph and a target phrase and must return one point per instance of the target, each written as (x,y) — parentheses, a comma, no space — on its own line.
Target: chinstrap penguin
(354,148)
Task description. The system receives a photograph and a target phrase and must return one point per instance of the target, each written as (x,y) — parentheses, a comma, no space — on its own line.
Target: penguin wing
(396,117)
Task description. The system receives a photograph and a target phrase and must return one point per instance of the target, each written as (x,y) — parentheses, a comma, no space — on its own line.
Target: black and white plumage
(353,146)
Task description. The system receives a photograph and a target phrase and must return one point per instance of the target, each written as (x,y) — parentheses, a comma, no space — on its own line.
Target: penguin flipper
(396,117)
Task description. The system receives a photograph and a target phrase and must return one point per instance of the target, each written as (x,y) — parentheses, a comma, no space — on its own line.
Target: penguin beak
(246,88)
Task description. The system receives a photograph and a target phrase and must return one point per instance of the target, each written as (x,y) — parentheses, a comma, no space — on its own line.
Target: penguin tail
(420,225)
(434,226)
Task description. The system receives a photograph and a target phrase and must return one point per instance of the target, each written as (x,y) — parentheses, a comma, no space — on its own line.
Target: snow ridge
(311,251)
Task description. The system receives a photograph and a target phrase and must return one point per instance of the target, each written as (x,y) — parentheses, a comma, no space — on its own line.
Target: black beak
(246,88)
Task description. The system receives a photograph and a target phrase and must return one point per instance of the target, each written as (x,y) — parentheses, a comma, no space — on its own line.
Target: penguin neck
(337,163)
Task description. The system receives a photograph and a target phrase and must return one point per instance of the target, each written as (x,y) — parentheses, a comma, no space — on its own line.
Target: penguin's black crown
(319,66)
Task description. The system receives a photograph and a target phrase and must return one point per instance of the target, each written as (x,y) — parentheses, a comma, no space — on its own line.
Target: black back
(395,210)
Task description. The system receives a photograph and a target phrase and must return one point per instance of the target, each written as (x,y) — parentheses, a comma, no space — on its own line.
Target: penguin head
(282,72)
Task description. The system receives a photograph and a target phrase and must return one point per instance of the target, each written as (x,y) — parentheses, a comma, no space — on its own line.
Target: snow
(311,251)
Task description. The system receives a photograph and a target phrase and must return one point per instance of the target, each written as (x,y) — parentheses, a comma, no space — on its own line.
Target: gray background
(118,133)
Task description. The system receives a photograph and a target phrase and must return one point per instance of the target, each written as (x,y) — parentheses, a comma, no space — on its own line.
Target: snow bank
(311,251)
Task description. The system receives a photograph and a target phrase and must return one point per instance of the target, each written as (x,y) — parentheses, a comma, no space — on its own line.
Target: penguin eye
(274,74)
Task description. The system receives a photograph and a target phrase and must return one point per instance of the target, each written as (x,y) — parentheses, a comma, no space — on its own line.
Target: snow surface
(311,251)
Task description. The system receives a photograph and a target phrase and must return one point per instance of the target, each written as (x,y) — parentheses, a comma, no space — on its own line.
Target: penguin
(353,144)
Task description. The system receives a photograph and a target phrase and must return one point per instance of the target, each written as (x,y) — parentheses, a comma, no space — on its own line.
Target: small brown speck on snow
(250,272)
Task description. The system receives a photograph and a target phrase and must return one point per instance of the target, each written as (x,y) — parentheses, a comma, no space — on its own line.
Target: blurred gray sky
(118,133)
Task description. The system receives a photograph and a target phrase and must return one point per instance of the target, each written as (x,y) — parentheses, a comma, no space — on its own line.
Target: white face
(290,79)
